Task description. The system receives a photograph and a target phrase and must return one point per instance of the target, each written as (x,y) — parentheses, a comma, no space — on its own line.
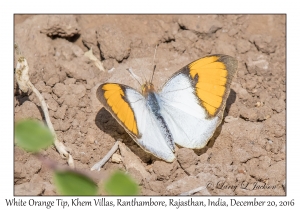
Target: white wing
(185,118)
(150,139)
(193,101)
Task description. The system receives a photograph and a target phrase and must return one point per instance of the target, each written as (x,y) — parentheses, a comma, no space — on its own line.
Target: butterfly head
(147,87)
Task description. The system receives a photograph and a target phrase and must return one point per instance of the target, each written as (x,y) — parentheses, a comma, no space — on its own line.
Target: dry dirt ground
(246,156)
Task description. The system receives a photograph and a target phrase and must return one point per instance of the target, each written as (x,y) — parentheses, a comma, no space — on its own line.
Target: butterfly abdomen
(153,105)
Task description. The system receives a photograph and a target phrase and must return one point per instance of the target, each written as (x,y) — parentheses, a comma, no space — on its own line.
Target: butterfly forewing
(194,98)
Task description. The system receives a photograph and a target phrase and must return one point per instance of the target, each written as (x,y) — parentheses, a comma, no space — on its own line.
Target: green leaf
(121,184)
(72,183)
(32,135)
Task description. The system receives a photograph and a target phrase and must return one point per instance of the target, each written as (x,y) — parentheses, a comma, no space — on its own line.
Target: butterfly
(186,110)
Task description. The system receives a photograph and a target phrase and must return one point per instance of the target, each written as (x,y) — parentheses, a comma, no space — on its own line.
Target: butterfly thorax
(146,88)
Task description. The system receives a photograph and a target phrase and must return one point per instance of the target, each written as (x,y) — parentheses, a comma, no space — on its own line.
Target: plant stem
(98,165)
(22,78)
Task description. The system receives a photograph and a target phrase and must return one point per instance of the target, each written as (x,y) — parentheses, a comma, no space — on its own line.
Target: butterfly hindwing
(129,108)
(193,99)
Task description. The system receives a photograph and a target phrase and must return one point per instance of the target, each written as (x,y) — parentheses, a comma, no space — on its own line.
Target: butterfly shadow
(230,100)
(109,125)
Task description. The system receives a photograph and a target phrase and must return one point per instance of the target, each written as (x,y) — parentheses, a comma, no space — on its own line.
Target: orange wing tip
(122,116)
(210,109)
(213,76)
(203,61)
(214,81)
(211,88)
(210,70)
(209,98)
(113,100)
(114,96)
(111,86)
(108,94)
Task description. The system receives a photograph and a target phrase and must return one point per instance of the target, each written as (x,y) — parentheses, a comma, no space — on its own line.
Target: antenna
(154,66)
(134,76)
(140,80)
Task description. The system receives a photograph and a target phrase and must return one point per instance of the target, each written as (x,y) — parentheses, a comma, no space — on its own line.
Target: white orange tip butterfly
(186,110)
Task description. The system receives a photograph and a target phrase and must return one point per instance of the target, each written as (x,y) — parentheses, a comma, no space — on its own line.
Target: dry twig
(24,83)
(98,165)
(92,57)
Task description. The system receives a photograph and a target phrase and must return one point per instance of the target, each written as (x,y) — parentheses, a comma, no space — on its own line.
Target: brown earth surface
(246,156)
